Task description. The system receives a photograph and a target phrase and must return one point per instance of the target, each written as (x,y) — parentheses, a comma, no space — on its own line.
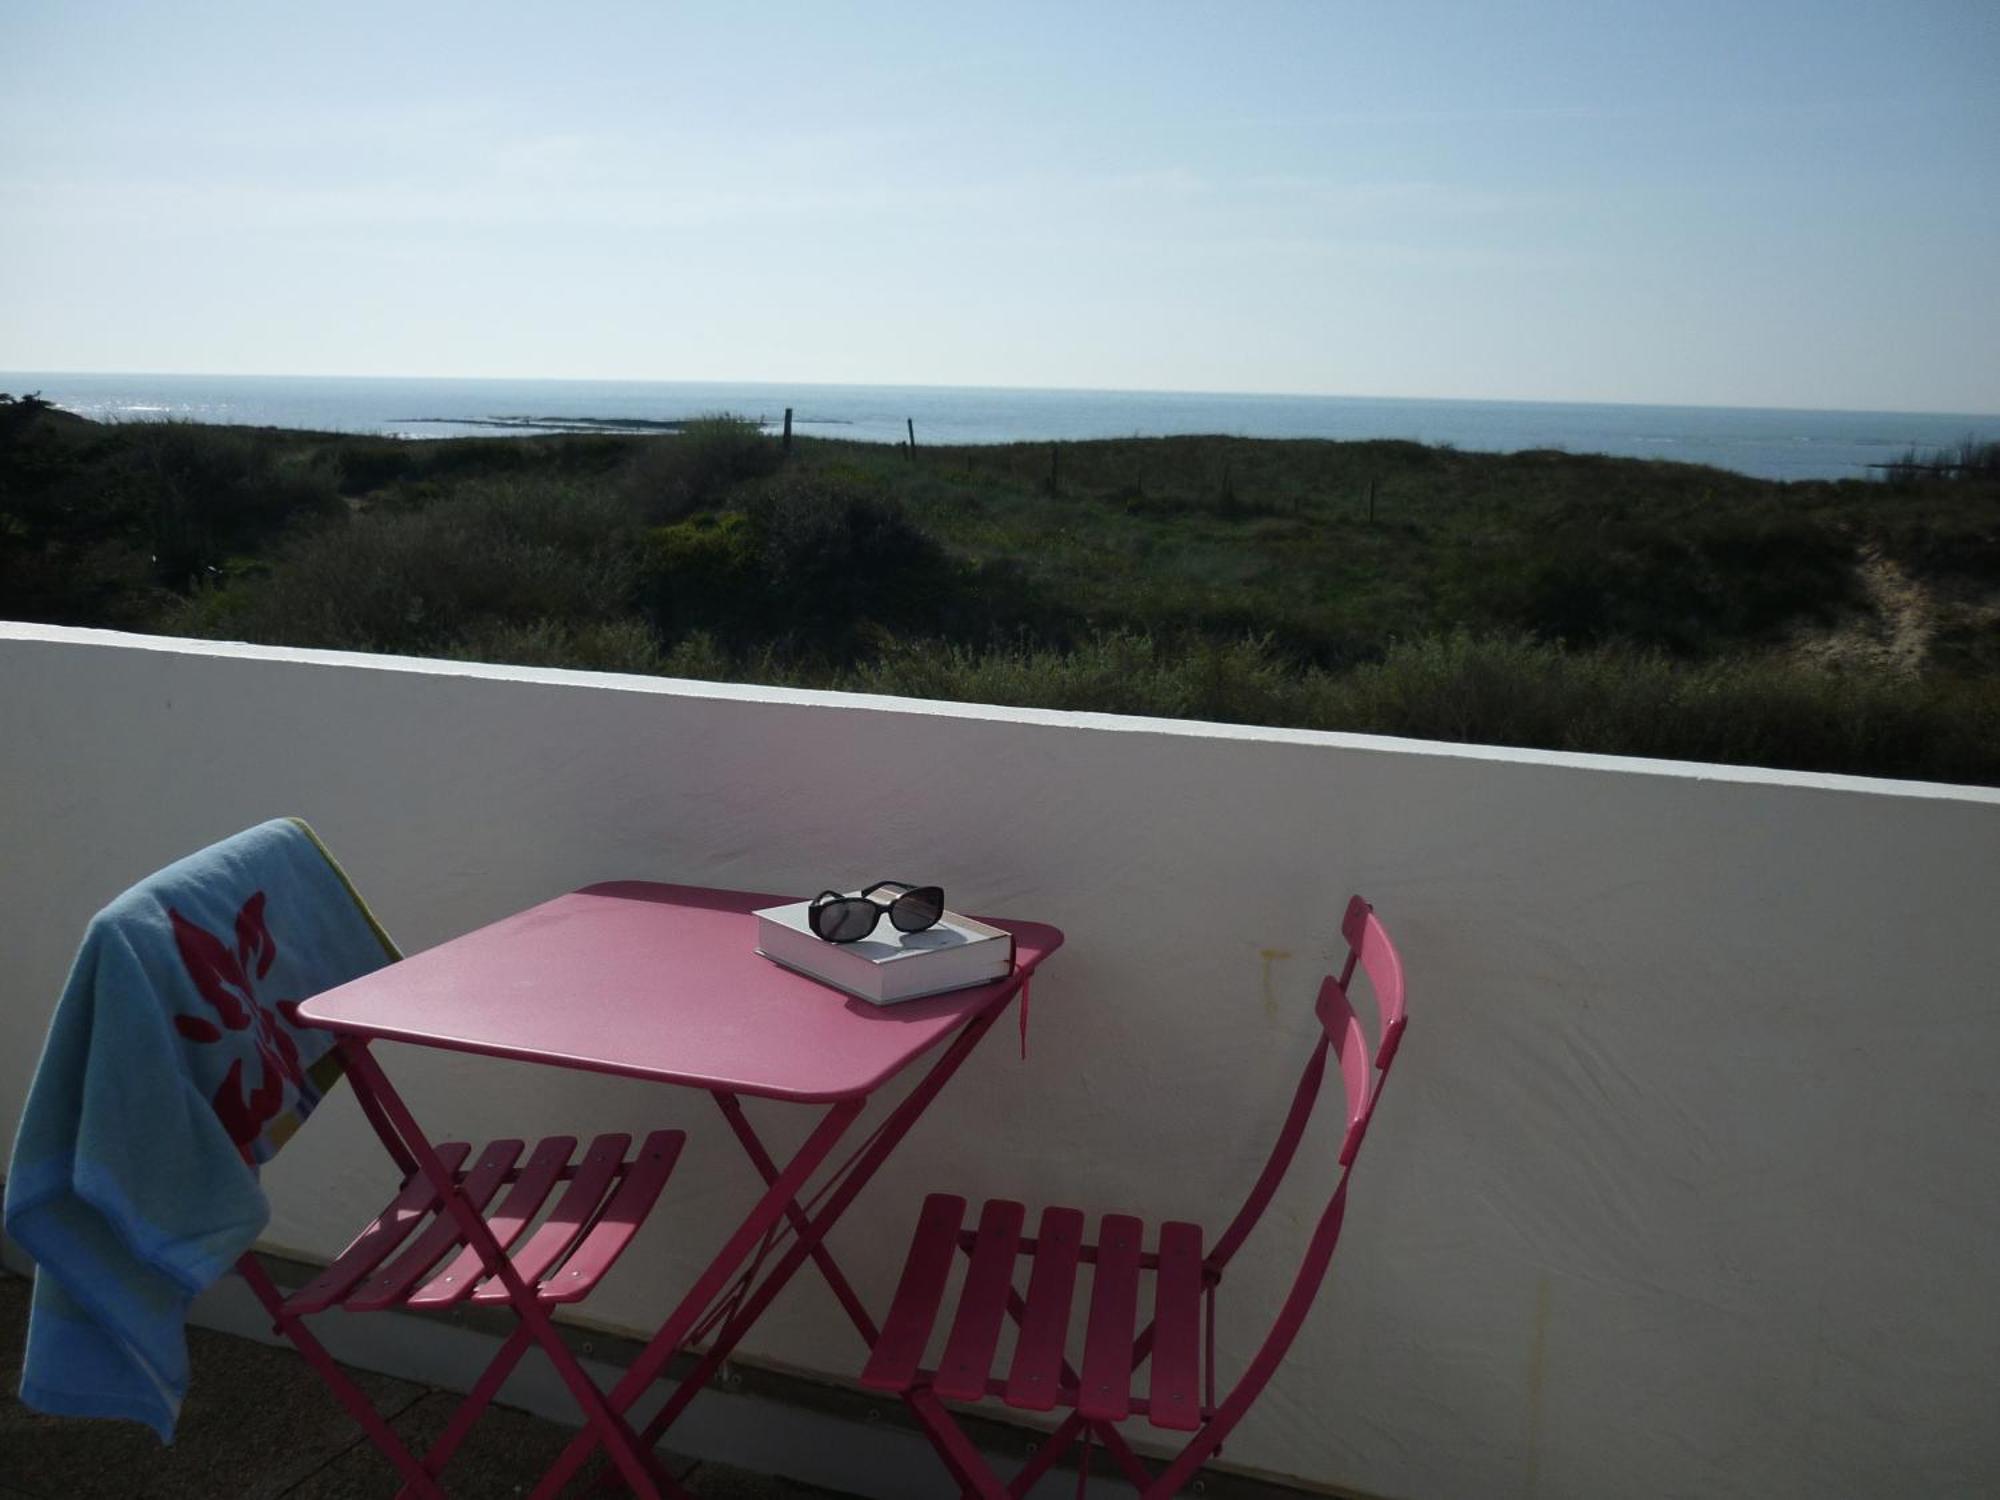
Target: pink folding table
(663,982)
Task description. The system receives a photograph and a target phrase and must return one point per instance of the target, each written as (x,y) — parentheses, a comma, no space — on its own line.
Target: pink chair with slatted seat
(1177,1344)
(563,1222)
(187,990)
(417,1253)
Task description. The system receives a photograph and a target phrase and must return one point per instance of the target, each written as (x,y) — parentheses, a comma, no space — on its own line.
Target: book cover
(888,965)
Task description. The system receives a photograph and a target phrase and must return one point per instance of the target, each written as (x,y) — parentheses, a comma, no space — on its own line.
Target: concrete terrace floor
(259,1423)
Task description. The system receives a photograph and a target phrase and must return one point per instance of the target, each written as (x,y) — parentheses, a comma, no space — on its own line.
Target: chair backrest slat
(1368,942)
(1350,1045)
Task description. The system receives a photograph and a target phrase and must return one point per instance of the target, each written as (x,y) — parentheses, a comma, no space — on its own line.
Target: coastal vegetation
(1565,601)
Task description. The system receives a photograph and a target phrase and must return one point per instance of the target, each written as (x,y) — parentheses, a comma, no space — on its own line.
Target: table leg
(477,1400)
(732,1110)
(680,1323)
(808,1242)
(602,1421)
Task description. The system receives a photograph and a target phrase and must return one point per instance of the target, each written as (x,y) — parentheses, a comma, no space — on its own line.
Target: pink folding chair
(1179,1340)
(421,1252)
(443,1240)
(528,1227)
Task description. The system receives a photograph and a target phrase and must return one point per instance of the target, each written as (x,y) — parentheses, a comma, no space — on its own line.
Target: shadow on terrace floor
(259,1423)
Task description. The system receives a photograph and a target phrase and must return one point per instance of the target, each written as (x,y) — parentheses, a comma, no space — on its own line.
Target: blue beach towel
(173,1068)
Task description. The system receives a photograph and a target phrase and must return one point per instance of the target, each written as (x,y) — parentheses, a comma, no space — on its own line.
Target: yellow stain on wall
(1270,990)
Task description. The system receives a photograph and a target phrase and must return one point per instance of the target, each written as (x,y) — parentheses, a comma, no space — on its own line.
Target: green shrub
(1497,691)
(74,550)
(1688,588)
(698,467)
(365,466)
(1616,701)
(700,656)
(703,573)
(76,581)
(576,455)
(841,556)
(600,646)
(1122,672)
(216,491)
(497,554)
(820,561)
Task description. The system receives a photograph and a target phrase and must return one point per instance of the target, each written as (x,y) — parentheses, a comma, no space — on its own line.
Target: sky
(1782,203)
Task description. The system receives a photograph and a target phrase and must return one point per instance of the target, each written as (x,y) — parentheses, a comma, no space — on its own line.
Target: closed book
(888,965)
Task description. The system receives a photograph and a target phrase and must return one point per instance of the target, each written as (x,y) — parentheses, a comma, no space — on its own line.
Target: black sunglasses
(848,919)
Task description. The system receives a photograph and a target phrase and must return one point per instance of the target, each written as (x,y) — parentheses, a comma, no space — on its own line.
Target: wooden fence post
(788,430)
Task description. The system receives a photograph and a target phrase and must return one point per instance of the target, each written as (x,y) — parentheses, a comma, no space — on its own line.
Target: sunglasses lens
(844,921)
(918,909)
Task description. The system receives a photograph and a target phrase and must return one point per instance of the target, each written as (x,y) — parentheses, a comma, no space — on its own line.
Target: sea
(1771,443)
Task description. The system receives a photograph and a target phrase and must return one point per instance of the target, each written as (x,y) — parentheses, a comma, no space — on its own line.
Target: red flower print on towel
(226,979)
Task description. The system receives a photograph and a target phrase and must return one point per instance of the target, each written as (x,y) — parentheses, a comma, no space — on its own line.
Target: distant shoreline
(591,424)
(1766,444)
(550,424)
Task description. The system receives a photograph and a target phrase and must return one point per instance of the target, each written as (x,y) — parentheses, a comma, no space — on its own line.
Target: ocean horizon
(1768,442)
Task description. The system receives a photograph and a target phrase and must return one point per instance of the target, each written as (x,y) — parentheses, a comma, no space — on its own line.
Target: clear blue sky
(1773,203)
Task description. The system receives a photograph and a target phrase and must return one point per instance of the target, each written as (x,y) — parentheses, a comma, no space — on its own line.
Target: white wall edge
(1134,724)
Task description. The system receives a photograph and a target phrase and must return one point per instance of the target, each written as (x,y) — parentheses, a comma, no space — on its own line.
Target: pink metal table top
(661,982)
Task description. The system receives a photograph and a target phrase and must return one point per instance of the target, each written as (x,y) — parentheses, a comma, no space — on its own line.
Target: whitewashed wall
(1689,1183)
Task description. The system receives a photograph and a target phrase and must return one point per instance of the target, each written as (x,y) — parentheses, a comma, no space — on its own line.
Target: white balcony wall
(1686,1184)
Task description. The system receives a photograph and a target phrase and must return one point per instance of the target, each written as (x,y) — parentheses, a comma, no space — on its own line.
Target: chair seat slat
(440,1237)
(1174,1395)
(644,1179)
(892,1364)
(374,1244)
(516,1212)
(1106,1395)
(1036,1374)
(982,1306)
(567,1221)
